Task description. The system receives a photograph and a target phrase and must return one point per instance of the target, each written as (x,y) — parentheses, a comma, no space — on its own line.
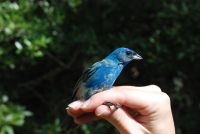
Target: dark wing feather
(85,76)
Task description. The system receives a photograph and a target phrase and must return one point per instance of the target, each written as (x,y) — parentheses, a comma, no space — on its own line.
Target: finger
(120,119)
(149,88)
(128,96)
(85,118)
(74,109)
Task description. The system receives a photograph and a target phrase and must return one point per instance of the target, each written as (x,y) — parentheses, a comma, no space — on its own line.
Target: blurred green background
(46,44)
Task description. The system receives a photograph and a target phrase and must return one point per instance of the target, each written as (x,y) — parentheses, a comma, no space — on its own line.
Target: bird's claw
(109,104)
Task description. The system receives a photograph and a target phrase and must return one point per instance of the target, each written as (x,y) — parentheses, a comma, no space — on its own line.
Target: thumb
(120,119)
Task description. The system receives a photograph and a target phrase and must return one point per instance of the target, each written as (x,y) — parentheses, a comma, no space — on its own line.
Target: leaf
(6,130)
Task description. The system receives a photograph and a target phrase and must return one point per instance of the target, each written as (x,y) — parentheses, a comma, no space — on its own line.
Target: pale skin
(144,110)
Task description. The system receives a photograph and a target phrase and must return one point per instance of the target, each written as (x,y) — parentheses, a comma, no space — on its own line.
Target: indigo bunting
(102,75)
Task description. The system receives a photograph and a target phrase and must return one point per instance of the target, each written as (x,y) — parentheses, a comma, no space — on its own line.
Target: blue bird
(102,75)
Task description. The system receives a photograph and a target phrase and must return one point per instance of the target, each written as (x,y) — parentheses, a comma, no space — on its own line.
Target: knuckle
(161,102)
(155,88)
(165,98)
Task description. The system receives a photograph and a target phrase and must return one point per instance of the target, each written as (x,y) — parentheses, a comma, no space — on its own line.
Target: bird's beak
(137,57)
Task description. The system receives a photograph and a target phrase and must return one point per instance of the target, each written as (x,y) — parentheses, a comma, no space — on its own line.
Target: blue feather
(102,75)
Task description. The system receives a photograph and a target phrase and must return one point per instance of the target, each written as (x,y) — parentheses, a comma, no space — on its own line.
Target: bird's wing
(85,76)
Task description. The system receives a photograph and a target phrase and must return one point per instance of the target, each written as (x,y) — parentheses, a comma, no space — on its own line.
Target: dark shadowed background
(46,44)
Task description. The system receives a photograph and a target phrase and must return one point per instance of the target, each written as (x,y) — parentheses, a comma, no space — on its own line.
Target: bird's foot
(109,104)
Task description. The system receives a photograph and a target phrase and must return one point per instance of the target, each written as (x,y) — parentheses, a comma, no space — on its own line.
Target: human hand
(144,110)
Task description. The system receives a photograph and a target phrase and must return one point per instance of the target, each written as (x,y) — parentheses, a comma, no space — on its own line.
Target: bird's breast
(102,79)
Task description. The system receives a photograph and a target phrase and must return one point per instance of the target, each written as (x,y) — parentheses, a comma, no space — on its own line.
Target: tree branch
(52,73)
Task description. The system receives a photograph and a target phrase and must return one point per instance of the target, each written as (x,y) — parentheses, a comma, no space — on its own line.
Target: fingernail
(68,107)
(86,104)
(73,105)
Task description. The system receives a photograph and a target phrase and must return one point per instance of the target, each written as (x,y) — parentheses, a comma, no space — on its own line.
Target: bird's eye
(128,53)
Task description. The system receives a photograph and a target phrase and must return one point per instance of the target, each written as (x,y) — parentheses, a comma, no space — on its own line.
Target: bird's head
(124,55)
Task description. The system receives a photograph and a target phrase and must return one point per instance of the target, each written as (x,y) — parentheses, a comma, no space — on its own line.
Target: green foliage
(11,115)
(25,33)
(45,45)
(74,4)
